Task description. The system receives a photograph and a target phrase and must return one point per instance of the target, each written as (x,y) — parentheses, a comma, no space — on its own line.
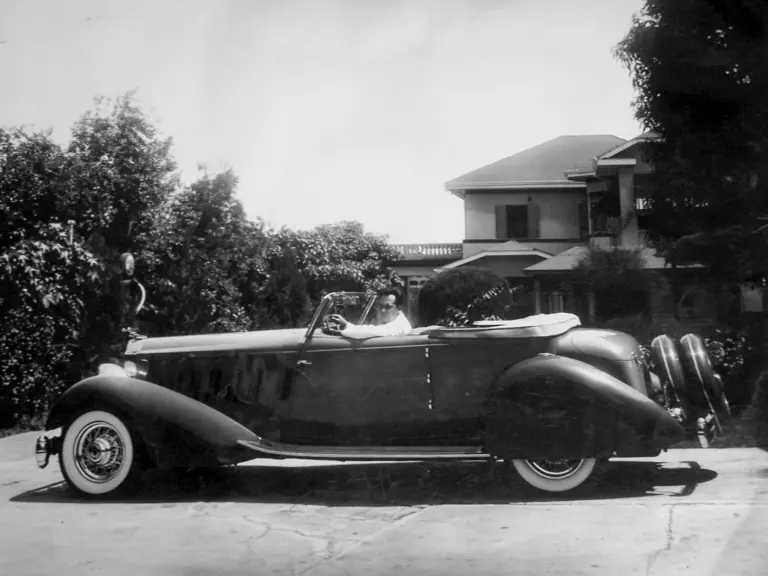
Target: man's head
(389,304)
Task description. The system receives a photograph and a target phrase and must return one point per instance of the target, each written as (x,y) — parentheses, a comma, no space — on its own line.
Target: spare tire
(697,361)
(667,360)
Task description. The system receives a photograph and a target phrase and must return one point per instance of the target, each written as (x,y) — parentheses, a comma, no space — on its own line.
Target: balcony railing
(429,251)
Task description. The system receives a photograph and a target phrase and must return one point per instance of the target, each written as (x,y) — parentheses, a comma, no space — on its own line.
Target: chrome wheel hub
(99,452)
(556,469)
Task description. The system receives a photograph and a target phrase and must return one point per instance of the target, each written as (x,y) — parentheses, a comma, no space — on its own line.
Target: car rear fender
(549,405)
(176,430)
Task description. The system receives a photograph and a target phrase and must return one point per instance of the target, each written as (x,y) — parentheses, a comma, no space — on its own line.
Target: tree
(60,308)
(283,296)
(122,170)
(43,283)
(34,184)
(204,260)
(699,69)
(338,257)
(617,279)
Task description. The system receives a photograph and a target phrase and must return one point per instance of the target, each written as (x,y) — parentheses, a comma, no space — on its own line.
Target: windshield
(354,306)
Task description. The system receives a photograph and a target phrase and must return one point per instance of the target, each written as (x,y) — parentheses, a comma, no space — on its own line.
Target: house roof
(567,261)
(562,262)
(509,248)
(644,137)
(543,165)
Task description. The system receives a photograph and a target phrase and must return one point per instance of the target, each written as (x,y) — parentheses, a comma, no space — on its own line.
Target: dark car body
(540,388)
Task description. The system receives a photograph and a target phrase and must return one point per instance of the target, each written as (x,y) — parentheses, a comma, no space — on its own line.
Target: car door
(462,372)
(372,392)
(394,394)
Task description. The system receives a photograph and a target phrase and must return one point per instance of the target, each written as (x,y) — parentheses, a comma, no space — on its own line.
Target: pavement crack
(253,538)
(667,545)
(334,552)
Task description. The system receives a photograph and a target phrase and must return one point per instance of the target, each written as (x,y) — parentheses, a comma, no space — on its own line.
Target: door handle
(303,363)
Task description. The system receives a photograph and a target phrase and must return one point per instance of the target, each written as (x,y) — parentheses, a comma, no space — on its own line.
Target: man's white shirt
(398,327)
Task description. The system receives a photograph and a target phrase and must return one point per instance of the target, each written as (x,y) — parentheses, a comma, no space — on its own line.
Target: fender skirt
(551,406)
(177,431)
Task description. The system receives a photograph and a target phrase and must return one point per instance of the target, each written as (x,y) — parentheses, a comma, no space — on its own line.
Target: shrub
(463,295)
(618,279)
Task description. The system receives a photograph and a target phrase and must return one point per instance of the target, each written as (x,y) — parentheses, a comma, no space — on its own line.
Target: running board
(364,452)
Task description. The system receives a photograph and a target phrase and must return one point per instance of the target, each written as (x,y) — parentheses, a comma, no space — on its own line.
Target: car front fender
(176,430)
(548,405)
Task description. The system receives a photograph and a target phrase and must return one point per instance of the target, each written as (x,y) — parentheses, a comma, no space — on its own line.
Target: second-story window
(517,221)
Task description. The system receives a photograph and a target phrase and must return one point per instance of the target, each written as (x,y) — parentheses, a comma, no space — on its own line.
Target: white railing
(416,251)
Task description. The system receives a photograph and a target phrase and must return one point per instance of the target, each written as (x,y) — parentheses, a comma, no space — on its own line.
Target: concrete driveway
(689,512)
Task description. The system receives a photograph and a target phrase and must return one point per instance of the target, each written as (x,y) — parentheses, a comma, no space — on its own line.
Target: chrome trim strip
(363,452)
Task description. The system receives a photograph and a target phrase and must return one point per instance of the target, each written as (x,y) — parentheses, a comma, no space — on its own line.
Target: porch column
(406,297)
(537,296)
(629,233)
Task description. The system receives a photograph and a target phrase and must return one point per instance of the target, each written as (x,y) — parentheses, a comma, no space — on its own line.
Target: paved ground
(689,512)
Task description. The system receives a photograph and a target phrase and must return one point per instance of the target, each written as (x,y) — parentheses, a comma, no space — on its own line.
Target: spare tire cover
(697,360)
(719,385)
(667,360)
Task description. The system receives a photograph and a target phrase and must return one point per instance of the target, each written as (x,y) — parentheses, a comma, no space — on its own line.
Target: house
(531,216)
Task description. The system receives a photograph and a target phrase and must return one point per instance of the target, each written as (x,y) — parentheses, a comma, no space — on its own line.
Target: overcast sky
(329,109)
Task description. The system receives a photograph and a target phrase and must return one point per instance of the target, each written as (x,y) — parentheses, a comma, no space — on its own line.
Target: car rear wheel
(555,475)
(99,454)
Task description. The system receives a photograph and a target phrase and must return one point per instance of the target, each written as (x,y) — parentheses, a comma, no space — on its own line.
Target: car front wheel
(555,475)
(98,454)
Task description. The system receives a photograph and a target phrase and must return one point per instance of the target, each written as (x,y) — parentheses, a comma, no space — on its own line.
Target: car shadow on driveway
(392,484)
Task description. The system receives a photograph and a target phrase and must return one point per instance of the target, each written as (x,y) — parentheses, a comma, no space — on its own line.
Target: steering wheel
(330,327)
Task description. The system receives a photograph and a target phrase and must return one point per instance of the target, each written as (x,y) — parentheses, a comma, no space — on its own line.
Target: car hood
(260,341)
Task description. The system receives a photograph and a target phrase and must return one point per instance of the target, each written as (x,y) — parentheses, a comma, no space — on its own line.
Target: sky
(329,110)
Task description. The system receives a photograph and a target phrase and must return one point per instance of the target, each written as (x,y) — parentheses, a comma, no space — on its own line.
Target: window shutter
(583,221)
(533,220)
(501,222)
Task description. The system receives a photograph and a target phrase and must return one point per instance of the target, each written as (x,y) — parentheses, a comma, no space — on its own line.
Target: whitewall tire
(98,454)
(555,475)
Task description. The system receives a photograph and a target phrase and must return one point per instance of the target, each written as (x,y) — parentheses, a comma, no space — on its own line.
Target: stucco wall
(558,212)
(405,271)
(507,266)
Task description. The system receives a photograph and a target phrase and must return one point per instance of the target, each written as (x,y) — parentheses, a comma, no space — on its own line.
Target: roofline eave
(491,254)
(512,185)
(627,145)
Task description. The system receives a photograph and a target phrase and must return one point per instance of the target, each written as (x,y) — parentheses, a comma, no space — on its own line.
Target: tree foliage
(342,256)
(202,257)
(66,215)
(699,70)
(618,280)
(122,170)
(43,285)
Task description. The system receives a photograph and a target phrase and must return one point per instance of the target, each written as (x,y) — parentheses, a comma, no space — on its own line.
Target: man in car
(391,320)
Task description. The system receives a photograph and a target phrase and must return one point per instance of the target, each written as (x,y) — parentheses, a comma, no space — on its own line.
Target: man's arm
(398,327)
(370,331)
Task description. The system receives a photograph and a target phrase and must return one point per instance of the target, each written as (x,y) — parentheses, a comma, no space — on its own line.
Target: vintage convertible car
(552,397)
